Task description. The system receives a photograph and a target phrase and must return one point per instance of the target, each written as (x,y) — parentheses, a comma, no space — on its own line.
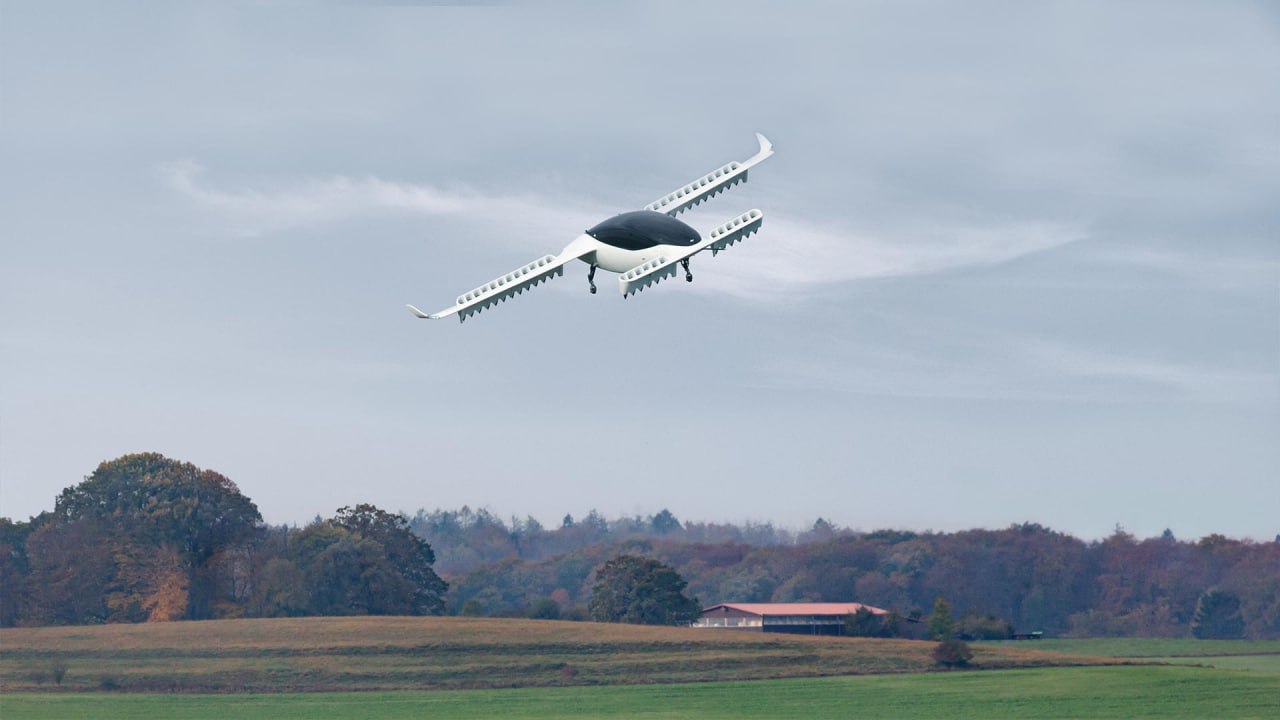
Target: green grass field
(1089,692)
(1259,663)
(1259,655)
(1146,647)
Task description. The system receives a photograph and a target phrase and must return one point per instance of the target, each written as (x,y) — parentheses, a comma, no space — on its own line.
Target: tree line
(147,538)
(1024,577)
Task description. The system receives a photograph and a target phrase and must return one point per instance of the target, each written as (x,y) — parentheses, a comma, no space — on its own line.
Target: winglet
(766,149)
(419,313)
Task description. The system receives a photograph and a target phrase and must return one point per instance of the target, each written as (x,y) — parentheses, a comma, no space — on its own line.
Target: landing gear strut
(688,276)
(591,279)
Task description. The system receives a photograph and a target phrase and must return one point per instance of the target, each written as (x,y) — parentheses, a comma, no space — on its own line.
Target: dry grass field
(416,653)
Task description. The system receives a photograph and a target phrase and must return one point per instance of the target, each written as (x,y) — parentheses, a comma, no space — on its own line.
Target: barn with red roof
(797,618)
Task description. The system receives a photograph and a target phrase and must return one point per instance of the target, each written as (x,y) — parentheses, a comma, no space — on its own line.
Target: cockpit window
(643,229)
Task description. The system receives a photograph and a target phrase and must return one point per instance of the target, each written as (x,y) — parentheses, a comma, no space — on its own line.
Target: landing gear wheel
(688,275)
(591,279)
(593,289)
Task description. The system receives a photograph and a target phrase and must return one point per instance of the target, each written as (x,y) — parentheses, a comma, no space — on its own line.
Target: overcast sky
(1020,261)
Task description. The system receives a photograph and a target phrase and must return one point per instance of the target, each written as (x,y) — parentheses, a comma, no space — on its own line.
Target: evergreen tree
(940,622)
(1218,616)
(664,522)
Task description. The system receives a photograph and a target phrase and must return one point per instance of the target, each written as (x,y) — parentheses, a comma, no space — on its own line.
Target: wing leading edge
(509,285)
(713,183)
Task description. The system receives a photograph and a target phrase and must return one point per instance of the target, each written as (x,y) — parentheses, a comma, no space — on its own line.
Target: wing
(642,276)
(509,285)
(710,184)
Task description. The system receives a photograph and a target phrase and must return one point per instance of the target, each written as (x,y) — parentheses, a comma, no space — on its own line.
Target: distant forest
(146,538)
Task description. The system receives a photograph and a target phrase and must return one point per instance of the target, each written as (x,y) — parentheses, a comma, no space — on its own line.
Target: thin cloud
(253,212)
(785,257)
(790,255)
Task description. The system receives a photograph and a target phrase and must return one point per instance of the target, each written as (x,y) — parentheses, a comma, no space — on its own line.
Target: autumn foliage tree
(14,568)
(147,538)
(135,541)
(71,566)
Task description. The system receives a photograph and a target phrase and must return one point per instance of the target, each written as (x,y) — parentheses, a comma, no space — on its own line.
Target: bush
(1100,623)
(952,653)
(984,627)
(545,609)
(577,613)
(865,623)
(58,669)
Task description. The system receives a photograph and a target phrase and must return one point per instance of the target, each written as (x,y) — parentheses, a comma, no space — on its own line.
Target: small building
(797,618)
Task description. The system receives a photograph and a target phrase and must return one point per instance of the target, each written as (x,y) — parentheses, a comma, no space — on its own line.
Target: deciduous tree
(633,589)
(138,505)
(417,589)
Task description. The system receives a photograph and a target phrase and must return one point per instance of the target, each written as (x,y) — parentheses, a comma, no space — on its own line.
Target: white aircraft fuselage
(630,239)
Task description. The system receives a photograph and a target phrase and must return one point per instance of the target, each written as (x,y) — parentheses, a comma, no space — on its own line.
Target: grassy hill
(416,653)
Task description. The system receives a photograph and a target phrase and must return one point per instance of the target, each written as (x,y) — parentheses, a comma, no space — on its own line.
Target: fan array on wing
(508,286)
(642,276)
(736,229)
(711,184)
(703,188)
